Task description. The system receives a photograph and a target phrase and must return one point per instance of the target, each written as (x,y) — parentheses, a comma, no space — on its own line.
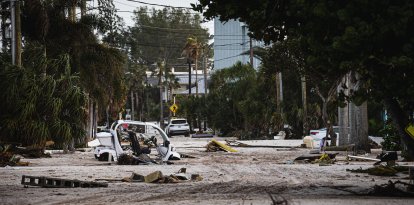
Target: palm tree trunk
(278,93)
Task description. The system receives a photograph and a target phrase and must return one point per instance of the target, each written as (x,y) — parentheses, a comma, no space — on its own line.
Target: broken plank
(363,158)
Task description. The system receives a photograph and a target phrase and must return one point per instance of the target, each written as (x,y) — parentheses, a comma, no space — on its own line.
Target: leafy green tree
(161,34)
(228,89)
(371,38)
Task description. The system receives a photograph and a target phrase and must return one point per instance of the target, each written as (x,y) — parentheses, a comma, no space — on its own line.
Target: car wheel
(187,134)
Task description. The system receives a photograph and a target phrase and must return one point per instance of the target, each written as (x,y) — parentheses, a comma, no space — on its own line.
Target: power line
(125,4)
(150,12)
(227,58)
(229,44)
(172,29)
(168,6)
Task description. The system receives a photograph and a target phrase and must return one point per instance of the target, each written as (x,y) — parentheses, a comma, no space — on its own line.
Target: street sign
(174,108)
(410,130)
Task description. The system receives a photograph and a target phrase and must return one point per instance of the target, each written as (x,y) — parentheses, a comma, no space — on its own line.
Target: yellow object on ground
(223,146)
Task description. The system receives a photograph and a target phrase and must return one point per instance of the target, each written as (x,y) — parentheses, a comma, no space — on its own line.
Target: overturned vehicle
(133,137)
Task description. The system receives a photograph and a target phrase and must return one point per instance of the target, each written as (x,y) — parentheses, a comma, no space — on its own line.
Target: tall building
(230,42)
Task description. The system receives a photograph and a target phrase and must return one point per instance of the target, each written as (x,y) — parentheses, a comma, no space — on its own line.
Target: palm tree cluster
(64,68)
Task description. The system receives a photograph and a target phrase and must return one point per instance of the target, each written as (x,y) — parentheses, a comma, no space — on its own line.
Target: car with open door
(127,132)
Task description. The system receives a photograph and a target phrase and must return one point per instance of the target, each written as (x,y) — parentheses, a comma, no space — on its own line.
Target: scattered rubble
(380,170)
(9,158)
(318,156)
(158,177)
(392,190)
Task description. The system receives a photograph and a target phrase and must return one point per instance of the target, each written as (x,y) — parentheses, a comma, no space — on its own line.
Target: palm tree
(76,63)
(191,52)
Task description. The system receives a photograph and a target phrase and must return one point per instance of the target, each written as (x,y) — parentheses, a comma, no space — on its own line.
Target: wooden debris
(153,177)
(134,178)
(186,156)
(363,158)
(235,143)
(313,157)
(59,183)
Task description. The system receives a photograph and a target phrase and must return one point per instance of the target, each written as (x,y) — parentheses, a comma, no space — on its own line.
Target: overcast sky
(131,5)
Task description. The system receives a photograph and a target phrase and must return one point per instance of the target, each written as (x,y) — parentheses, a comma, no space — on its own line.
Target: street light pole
(189,76)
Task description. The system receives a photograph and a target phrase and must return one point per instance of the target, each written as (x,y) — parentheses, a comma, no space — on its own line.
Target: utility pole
(132,105)
(161,67)
(189,76)
(305,107)
(196,72)
(251,52)
(205,71)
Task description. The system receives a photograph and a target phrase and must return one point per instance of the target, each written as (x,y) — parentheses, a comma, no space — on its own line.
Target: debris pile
(214,146)
(158,177)
(8,158)
(380,170)
(322,158)
(325,160)
(392,189)
(125,159)
(235,143)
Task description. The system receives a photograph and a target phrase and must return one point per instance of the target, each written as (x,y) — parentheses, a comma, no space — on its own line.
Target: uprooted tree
(371,38)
